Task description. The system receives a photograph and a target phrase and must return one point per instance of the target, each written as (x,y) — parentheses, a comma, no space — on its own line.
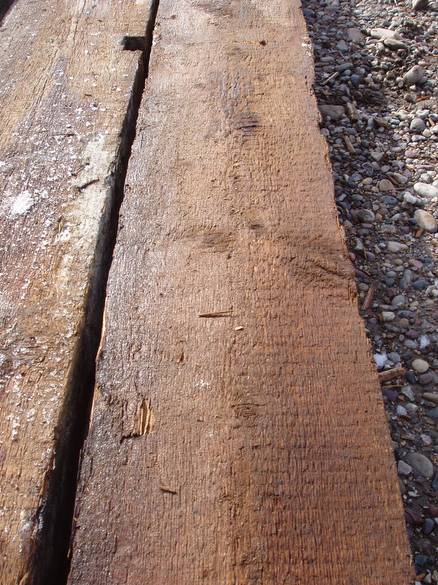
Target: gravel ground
(376,84)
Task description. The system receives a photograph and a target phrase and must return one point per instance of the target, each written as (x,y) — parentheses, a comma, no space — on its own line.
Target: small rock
(381,359)
(399,179)
(408,392)
(364,215)
(411,408)
(377,155)
(388,316)
(395,246)
(414,76)
(417,125)
(420,366)
(355,35)
(385,185)
(342,46)
(384,33)
(398,301)
(411,199)
(332,111)
(401,411)
(425,190)
(431,397)
(419,4)
(427,378)
(425,220)
(394,44)
(390,394)
(403,468)
(421,464)
(428,526)
(433,414)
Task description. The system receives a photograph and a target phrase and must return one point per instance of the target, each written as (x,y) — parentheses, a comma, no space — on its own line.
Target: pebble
(421,464)
(355,35)
(431,397)
(399,301)
(401,410)
(419,4)
(332,111)
(407,391)
(388,316)
(394,44)
(417,125)
(364,215)
(411,199)
(385,185)
(395,246)
(428,526)
(403,468)
(415,75)
(381,359)
(425,220)
(420,366)
(384,33)
(426,190)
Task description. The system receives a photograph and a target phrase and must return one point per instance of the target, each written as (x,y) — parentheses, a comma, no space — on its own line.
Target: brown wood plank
(65,87)
(238,435)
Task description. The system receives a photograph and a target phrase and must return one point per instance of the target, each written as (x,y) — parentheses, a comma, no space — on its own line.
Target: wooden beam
(238,435)
(66,97)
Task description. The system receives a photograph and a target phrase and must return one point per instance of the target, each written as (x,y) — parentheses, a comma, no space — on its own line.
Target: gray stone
(355,35)
(377,155)
(332,111)
(431,397)
(411,408)
(384,33)
(417,125)
(385,185)
(425,220)
(409,393)
(426,190)
(415,75)
(399,301)
(411,199)
(421,464)
(394,44)
(364,215)
(388,316)
(399,179)
(403,468)
(419,4)
(395,246)
(401,410)
(420,366)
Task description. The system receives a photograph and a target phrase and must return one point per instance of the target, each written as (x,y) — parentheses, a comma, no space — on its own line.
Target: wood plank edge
(54,520)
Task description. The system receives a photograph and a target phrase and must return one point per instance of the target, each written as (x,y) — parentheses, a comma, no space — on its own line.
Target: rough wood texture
(65,86)
(238,436)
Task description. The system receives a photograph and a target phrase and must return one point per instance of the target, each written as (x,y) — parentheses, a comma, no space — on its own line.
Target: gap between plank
(54,518)
(5,5)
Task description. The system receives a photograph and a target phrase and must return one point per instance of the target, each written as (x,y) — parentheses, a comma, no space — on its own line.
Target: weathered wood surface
(238,435)
(65,86)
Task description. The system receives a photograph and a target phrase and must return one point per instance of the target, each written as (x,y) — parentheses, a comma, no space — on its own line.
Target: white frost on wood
(21,204)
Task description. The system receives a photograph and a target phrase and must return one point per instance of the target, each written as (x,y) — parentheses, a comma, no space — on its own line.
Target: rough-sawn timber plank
(65,87)
(238,436)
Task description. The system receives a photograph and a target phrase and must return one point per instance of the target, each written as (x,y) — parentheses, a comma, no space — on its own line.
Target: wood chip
(397,372)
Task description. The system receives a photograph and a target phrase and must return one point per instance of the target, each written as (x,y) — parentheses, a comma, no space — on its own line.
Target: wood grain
(238,435)
(65,89)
